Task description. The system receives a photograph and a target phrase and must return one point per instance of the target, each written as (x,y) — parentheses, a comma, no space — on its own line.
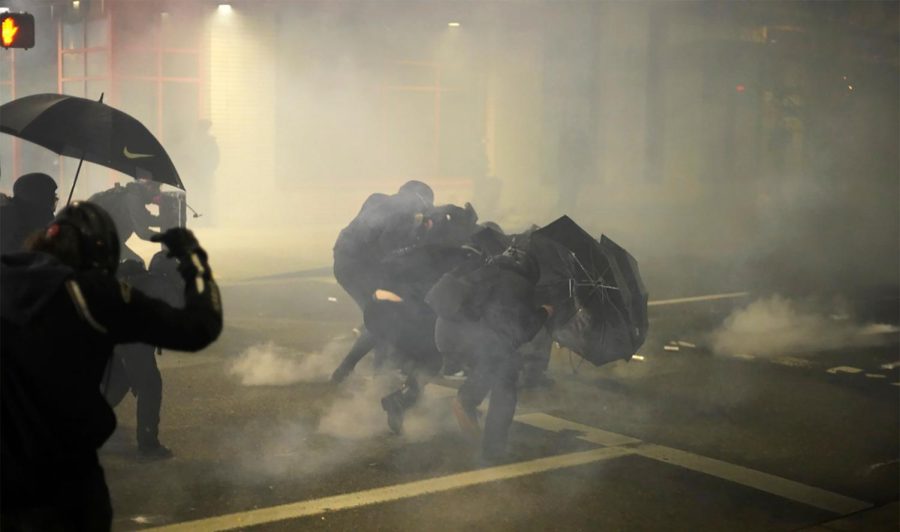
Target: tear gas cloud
(775,326)
(527,109)
(349,426)
(625,115)
(272,365)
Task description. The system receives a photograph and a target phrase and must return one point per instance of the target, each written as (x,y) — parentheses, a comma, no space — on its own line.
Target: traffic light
(16,30)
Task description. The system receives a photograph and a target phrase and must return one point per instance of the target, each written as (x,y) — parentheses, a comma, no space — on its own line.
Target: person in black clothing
(398,314)
(494,313)
(61,312)
(29,209)
(384,224)
(133,366)
(127,205)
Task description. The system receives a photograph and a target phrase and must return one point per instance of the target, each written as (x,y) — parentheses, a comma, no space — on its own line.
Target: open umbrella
(596,288)
(90,131)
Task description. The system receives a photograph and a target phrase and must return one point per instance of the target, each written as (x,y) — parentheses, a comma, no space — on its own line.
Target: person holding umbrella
(128,207)
(61,312)
(29,209)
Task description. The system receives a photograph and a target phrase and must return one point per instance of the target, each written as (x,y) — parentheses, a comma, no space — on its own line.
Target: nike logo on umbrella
(131,155)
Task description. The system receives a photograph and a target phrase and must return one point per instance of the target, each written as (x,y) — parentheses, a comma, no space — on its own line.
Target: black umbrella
(90,131)
(596,288)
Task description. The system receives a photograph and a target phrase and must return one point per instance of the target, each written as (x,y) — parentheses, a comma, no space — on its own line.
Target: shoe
(467,420)
(391,405)
(154,453)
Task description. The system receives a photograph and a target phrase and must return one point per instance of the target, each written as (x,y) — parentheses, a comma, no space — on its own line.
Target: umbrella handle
(80,162)
(78,171)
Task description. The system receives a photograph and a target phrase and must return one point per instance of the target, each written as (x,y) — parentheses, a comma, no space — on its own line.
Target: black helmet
(34,187)
(98,241)
(419,189)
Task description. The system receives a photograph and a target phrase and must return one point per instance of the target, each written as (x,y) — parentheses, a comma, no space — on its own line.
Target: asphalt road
(686,439)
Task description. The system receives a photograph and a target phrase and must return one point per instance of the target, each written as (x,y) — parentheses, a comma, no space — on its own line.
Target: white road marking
(590,434)
(639,358)
(876,376)
(792,362)
(615,445)
(782,487)
(398,492)
(671,348)
(843,369)
(694,299)
(873,467)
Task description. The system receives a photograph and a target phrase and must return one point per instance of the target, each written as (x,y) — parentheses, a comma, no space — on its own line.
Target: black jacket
(58,330)
(498,294)
(384,224)
(18,219)
(510,309)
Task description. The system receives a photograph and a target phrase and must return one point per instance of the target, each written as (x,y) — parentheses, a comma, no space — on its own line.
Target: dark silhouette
(487,312)
(384,224)
(133,366)
(398,315)
(127,205)
(29,209)
(61,312)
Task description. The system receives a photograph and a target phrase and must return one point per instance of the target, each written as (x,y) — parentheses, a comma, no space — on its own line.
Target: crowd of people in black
(83,318)
(439,291)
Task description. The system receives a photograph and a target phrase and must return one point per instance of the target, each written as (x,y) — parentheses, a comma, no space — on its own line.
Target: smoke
(269,364)
(777,326)
(357,415)
(344,423)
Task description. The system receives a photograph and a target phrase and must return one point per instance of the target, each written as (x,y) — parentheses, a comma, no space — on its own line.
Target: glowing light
(740,87)
(76,4)
(8,31)
(850,87)
(4,10)
(453,24)
(224,8)
(638,357)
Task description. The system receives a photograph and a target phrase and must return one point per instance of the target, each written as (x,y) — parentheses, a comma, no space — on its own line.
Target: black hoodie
(57,331)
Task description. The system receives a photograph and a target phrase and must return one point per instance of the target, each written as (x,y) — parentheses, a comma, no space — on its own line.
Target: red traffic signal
(16,30)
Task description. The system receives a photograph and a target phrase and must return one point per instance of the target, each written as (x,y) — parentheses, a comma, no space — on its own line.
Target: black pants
(133,367)
(536,353)
(356,275)
(75,504)
(358,278)
(495,370)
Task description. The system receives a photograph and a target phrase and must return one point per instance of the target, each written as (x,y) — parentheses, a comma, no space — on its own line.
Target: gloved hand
(181,244)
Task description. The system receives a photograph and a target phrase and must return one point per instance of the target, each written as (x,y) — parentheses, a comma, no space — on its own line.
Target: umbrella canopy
(596,288)
(89,130)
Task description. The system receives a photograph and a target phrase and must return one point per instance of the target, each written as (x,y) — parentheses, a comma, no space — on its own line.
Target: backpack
(461,293)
